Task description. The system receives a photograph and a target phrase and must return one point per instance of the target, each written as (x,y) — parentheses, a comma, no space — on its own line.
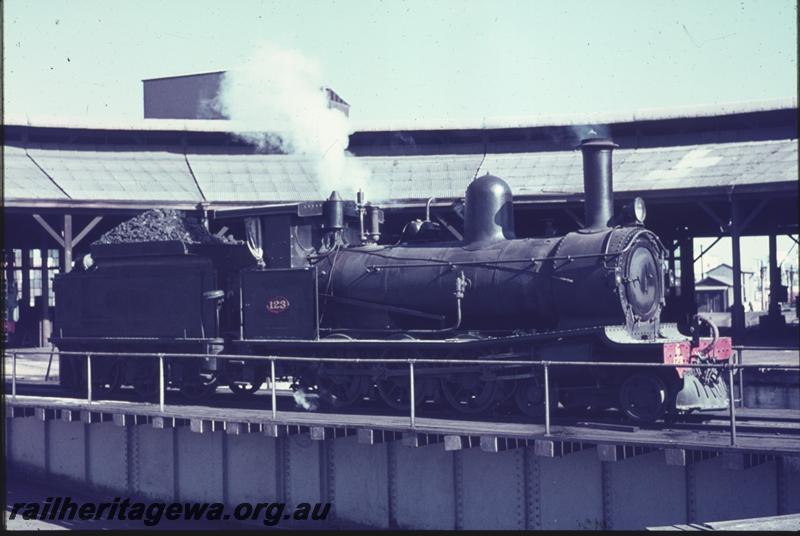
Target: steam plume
(275,98)
(304,401)
(582,132)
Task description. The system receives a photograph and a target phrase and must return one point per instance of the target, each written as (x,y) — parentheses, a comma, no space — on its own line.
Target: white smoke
(275,99)
(582,132)
(304,401)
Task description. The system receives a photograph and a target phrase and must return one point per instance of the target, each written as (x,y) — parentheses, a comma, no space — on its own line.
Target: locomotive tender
(314,280)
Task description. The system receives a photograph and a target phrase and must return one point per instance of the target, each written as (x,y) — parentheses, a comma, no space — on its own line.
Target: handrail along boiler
(314,280)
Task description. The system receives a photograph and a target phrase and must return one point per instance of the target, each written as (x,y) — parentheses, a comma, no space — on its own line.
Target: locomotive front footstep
(478,322)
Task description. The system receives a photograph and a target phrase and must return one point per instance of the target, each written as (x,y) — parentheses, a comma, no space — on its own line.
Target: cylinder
(598,184)
(333,212)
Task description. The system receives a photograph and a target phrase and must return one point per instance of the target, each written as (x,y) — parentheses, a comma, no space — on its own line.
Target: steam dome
(489,210)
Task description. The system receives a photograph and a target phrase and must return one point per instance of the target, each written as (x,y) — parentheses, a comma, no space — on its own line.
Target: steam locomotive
(314,280)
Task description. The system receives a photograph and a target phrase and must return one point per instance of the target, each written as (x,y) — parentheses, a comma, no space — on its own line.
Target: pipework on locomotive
(314,279)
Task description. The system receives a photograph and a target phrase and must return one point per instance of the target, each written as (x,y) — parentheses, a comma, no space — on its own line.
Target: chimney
(598,182)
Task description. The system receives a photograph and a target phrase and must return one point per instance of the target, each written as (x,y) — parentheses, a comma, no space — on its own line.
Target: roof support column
(671,259)
(777,292)
(8,270)
(44,299)
(737,309)
(67,243)
(26,277)
(774,277)
(672,298)
(688,303)
(10,288)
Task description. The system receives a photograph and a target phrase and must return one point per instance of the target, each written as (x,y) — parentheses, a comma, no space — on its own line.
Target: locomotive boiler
(603,274)
(315,280)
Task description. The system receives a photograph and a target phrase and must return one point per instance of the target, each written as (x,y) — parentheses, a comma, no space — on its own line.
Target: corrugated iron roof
(663,168)
(118,175)
(421,177)
(251,178)
(259,178)
(24,180)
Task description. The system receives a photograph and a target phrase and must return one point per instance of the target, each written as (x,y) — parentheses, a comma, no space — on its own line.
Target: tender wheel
(146,388)
(530,398)
(113,380)
(145,384)
(643,397)
(72,374)
(469,394)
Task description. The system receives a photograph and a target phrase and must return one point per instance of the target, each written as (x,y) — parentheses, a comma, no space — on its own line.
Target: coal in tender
(162,225)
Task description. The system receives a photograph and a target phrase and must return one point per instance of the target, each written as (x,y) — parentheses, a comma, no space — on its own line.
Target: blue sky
(409,60)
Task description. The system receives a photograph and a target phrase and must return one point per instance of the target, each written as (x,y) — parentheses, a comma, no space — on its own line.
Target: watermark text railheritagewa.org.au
(153,513)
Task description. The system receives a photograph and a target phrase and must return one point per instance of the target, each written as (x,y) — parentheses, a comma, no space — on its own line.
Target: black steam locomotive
(314,280)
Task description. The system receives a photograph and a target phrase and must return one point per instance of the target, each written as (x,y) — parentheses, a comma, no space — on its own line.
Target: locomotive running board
(418,343)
